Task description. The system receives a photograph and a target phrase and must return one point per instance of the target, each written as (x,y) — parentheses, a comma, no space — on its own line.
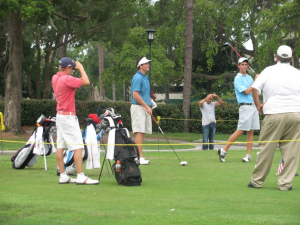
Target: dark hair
(137,61)
(284,60)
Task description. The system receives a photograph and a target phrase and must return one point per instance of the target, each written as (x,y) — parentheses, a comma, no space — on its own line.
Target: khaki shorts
(140,120)
(68,132)
(248,118)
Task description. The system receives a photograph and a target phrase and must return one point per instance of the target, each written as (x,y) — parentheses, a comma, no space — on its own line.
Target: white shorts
(140,120)
(68,132)
(248,118)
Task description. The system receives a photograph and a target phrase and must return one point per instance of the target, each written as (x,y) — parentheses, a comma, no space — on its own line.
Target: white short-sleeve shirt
(208,113)
(280,85)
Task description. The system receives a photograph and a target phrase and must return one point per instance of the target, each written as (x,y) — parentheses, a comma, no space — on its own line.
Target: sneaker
(82,179)
(65,179)
(143,161)
(246,158)
(221,154)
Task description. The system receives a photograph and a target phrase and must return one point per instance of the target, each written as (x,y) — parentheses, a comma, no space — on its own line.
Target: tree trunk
(47,81)
(167,93)
(3,62)
(114,90)
(61,50)
(188,64)
(38,68)
(124,92)
(13,91)
(101,69)
(29,85)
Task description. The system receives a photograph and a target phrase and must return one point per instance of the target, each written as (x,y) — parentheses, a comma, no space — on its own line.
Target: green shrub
(171,114)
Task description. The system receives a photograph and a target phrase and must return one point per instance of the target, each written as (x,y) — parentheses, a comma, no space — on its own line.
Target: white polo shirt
(280,85)
(208,113)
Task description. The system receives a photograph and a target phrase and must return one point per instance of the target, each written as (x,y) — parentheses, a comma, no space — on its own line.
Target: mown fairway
(203,192)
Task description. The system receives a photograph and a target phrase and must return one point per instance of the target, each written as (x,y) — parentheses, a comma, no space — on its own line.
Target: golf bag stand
(105,161)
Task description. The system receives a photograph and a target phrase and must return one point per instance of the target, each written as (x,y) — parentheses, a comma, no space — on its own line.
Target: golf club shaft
(241,57)
(165,137)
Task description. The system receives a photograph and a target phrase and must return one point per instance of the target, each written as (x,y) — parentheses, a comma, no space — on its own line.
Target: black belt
(246,103)
(137,104)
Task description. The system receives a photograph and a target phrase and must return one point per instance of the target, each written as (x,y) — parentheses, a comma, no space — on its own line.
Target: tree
(101,69)
(188,64)
(16,14)
(13,95)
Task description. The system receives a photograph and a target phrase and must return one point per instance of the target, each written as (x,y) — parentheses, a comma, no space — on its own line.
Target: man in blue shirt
(140,105)
(248,114)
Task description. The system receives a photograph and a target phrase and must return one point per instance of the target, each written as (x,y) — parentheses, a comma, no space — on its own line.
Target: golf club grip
(154,119)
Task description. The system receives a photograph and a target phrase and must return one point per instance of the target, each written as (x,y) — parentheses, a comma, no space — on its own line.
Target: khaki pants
(285,126)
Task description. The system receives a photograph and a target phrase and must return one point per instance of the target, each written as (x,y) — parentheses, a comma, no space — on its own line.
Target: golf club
(228,44)
(183,163)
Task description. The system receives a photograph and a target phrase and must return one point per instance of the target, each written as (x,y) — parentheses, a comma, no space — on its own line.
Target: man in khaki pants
(280,85)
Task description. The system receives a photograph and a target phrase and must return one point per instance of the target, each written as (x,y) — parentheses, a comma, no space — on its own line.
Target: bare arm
(204,100)
(258,104)
(249,89)
(139,100)
(220,101)
(84,77)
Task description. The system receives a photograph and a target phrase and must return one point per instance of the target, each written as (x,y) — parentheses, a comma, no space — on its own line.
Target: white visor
(143,61)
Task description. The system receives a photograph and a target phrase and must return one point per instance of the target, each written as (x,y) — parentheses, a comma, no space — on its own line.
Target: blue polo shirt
(140,83)
(241,83)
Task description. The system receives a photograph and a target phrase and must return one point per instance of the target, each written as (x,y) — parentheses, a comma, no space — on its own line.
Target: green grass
(163,145)
(203,192)
(16,143)
(195,136)
(13,144)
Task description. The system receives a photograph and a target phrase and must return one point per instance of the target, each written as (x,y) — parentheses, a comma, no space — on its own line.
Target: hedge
(171,114)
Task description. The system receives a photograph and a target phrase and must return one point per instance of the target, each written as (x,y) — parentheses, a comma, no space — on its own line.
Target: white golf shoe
(65,179)
(143,161)
(246,158)
(82,179)
(222,154)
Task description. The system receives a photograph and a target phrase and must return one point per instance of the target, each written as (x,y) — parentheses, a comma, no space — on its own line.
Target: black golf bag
(125,149)
(25,156)
(128,155)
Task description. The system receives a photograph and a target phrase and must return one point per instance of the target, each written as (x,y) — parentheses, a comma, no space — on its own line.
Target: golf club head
(183,163)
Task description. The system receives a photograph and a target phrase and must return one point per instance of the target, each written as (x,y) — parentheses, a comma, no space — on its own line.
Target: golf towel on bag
(111,144)
(93,160)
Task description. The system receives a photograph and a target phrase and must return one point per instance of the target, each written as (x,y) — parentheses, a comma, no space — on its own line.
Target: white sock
(80,174)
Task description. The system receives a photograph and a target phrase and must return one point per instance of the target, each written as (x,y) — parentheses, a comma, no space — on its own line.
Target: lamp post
(150,33)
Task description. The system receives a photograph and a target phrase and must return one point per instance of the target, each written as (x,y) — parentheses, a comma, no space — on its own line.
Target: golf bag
(128,155)
(28,155)
(69,164)
(70,167)
(121,148)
